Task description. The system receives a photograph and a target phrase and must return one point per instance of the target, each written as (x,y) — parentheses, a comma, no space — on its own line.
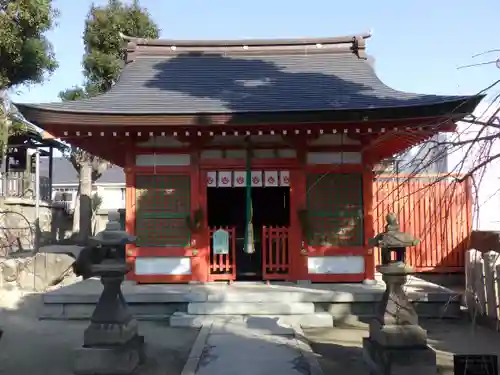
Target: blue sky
(417,45)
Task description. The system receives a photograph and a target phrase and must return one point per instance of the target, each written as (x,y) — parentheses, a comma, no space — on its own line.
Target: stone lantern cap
(113,235)
(392,237)
(112,238)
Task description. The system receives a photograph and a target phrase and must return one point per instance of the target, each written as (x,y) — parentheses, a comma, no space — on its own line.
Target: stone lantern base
(112,345)
(397,345)
(110,360)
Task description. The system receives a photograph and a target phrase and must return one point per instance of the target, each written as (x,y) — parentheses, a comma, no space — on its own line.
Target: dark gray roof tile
(212,83)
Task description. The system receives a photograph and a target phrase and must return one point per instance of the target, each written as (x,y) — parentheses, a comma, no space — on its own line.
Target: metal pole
(37,184)
(37,200)
(5,168)
(5,183)
(51,172)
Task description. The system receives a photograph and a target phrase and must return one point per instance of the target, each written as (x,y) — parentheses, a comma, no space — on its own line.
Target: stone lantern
(111,342)
(392,239)
(397,344)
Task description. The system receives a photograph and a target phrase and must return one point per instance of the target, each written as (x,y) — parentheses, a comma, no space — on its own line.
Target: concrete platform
(285,322)
(161,301)
(280,306)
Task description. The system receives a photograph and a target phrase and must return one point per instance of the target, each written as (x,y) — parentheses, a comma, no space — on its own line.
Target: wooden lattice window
(335,209)
(162,205)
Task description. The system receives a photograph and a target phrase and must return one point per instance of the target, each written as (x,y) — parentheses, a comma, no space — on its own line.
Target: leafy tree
(104,54)
(26,54)
(103,61)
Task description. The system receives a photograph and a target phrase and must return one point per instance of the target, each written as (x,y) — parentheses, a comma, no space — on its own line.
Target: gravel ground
(340,348)
(30,346)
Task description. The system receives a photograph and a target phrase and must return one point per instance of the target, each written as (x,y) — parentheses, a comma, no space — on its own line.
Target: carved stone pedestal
(112,344)
(397,344)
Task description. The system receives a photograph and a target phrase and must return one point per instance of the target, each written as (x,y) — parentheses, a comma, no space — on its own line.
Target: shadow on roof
(279,83)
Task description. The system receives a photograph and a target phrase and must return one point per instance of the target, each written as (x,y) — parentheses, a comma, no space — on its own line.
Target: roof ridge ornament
(128,38)
(355,44)
(358,47)
(265,42)
(130,49)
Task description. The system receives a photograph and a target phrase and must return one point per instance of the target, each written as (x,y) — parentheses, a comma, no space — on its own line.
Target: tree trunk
(85,209)
(4,137)
(76,214)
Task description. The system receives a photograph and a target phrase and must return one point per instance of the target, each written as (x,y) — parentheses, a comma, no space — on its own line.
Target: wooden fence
(434,209)
(23,186)
(482,286)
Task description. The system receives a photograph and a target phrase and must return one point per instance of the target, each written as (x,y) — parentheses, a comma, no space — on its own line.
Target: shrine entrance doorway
(227,210)
(271,220)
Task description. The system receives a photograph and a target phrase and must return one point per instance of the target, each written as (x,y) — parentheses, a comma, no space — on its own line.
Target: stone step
(272,295)
(254,308)
(276,324)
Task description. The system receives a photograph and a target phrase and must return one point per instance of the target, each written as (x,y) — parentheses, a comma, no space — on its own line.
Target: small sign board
(17,159)
(221,242)
(475,364)
(33,163)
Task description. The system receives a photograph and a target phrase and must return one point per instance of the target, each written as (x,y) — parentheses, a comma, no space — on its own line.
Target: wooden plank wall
(436,210)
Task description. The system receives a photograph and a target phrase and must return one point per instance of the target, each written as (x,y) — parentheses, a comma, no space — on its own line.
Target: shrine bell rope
(249,233)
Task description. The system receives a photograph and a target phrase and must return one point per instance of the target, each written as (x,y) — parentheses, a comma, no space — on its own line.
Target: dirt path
(30,346)
(340,348)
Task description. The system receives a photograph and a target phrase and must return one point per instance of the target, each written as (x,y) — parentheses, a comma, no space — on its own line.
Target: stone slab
(193,321)
(273,295)
(157,302)
(122,360)
(88,291)
(73,250)
(256,308)
(57,311)
(307,352)
(316,320)
(151,311)
(251,325)
(388,361)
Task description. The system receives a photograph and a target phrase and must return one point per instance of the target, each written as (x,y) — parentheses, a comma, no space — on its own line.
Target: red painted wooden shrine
(302,121)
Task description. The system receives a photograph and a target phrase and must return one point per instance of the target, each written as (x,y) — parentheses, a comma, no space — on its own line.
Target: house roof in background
(31,136)
(65,174)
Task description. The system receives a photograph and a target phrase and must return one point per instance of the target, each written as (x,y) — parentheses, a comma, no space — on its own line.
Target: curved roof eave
(461,100)
(455,109)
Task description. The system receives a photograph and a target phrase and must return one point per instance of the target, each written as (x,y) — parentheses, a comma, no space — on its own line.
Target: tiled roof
(65,174)
(299,76)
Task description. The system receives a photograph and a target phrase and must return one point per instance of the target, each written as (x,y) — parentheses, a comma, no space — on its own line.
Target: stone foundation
(112,360)
(384,360)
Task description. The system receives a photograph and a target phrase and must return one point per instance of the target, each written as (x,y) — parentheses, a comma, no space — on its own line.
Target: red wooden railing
(275,257)
(223,266)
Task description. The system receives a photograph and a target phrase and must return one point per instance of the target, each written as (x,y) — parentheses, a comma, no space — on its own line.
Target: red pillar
(199,241)
(298,202)
(368,180)
(130,208)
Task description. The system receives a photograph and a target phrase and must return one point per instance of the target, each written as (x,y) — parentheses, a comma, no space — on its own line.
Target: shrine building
(272,141)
